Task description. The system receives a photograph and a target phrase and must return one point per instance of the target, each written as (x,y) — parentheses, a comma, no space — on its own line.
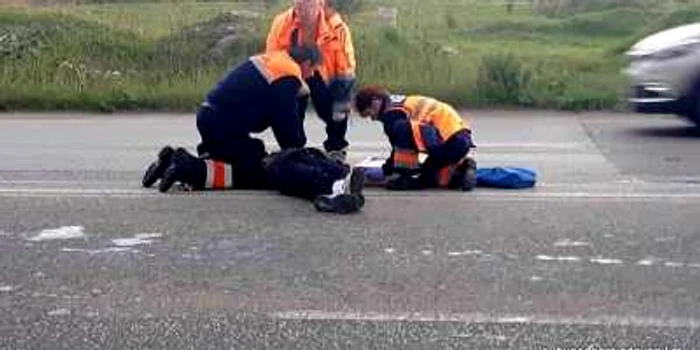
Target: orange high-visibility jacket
(333,40)
(424,111)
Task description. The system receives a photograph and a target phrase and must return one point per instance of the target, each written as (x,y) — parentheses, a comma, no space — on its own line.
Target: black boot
(352,200)
(464,177)
(184,168)
(156,170)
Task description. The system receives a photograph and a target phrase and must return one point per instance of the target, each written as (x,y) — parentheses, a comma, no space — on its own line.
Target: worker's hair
(364,97)
(305,53)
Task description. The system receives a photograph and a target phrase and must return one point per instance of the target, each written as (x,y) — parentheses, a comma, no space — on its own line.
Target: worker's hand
(341,110)
(303,90)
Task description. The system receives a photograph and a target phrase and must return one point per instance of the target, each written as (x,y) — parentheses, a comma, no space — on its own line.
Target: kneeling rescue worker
(418,125)
(259,94)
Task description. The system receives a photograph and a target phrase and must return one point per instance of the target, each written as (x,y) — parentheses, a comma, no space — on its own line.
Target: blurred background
(119,55)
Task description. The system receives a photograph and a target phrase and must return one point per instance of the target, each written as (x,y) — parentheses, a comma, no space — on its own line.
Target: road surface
(603,254)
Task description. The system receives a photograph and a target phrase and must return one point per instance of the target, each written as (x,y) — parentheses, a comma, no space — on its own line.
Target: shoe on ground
(156,170)
(469,178)
(183,168)
(339,204)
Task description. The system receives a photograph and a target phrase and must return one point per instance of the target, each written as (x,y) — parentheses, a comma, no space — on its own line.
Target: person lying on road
(298,172)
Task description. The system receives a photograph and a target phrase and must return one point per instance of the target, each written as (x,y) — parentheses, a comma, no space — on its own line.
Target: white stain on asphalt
(59,312)
(570,243)
(604,261)
(465,252)
(65,232)
(558,258)
(138,239)
(98,251)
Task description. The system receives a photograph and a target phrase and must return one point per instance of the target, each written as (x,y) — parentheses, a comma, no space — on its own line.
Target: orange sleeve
(346,63)
(274,36)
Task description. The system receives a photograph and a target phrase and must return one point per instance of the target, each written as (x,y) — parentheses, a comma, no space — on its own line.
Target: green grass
(468,52)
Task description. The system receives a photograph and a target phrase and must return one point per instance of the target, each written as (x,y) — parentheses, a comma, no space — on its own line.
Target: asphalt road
(602,254)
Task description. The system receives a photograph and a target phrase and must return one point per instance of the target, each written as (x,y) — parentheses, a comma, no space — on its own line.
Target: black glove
(388,166)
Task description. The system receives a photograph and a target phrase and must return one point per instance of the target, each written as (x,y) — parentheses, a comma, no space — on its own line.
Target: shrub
(503,79)
(345,6)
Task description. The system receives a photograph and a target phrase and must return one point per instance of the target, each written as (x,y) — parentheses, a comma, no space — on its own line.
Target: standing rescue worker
(309,22)
(261,93)
(418,124)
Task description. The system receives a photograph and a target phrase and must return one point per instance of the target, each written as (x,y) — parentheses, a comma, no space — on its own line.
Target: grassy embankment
(469,52)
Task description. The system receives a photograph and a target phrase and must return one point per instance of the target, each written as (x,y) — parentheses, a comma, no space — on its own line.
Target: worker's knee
(459,143)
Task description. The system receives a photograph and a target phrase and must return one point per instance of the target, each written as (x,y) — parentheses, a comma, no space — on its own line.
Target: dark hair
(364,97)
(305,53)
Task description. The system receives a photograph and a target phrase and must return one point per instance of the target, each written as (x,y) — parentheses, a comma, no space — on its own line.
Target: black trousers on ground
(304,173)
(323,105)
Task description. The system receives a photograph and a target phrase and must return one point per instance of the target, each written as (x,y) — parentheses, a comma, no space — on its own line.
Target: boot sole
(469,176)
(344,204)
(157,169)
(168,179)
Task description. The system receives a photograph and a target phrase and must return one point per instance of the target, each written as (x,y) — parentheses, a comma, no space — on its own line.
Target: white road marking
(59,312)
(481,318)
(466,252)
(646,262)
(482,194)
(570,243)
(98,251)
(673,264)
(558,258)
(604,261)
(138,239)
(65,232)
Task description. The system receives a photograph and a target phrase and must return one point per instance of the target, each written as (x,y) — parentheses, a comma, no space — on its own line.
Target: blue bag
(506,177)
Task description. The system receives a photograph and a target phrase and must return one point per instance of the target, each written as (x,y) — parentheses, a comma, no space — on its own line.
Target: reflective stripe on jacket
(275,65)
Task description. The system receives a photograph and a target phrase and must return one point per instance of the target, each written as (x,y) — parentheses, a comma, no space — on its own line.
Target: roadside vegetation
(165,55)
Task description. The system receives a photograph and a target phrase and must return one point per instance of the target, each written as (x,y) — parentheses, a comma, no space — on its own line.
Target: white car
(664,73)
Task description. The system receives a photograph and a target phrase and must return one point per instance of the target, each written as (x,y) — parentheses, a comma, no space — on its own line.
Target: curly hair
(364,97)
